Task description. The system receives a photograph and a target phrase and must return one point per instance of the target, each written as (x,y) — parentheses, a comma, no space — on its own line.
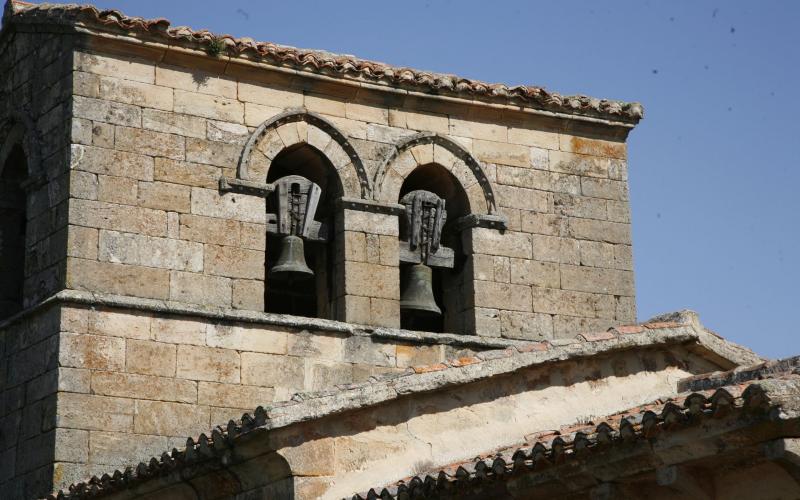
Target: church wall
(35,95)
(147,219)
(134,383)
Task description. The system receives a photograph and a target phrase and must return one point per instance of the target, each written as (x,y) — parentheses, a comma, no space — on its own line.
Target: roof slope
(317,405)
(321,62)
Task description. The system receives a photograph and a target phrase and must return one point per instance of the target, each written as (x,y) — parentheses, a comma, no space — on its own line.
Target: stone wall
(134,383)
(35,95)
(151,140)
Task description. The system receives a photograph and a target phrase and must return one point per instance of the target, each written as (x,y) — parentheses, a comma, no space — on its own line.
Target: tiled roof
(578,442)
(314,61)
(380,388)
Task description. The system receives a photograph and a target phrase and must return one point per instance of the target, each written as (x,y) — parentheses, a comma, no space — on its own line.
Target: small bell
(292,260)
(418,293)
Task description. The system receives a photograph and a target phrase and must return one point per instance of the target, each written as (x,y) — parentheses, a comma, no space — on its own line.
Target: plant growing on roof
(216,46)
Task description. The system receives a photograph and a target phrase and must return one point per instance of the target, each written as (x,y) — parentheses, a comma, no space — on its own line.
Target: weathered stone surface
(526,326)
(570,303)
(247,338)
(150,143)
(409,355)
(530,272)
(108,65)
(112,323)
(137,93)
(111,162)
(92,351)
(122,190)
(270,370)
(170,419)
(209,364)
(365,351)
(555,249)
(200,289)
(118,217)
(502,296)
(610,232)
(234,262)
(180,331)
(194,81)
(372,280)
(209,106)
(88,411)
(508,244)
(590,279)
(165,253)
(150,358)
(133,386)
(248,294)
(107,111)
(117,449)
(228,206)
(273,97)
(596,147)
(173,123)
(327,374)
(117,278)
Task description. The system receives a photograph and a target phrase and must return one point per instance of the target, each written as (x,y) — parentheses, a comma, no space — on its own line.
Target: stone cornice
(343,68)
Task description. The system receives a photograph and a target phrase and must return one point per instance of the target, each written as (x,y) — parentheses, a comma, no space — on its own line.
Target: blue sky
(713,166)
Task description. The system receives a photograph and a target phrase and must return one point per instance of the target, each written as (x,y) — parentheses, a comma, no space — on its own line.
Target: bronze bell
(292,260)
(418,293)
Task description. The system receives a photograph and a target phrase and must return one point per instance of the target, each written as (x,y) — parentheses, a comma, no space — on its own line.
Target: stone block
(270,370)
(597,254)
(136,93)
(233,395)
(74,380)
(618,211)
(81,132)
(147,357)
(103,135)
(589,166)
(210,230)
(110,323)
(120,450)
(83,185)
(248,294)
(91,351)
(626,310)
(132,386)
(531,272)
(106,111)
(493,295)
(122,218)
(417,355)
(208,364)
(501,270)
(555,249)
(315,345)
(234,262)
(93,412)
(611,232)
(356,309)
(256,114)
(247,338)
(328,374)
(478,130)
(532,137)
(492,242)
(525,199)
(424,122)
(579,206)
(254,236)
(623,257)
(604,188)
(192,80)
(121,190)
(538,179)
(233,206)
(200,289)
(148,142)
(571,303)
(355,246)
(109,65)
(324,105)
(363,350)
(231,133)
(372,280)
(173,123)
(591,279)
(170,419)
(110,162)
(268,96)
(164,196)
(526,326)
(595,147)
(209,106)
(82,242)
(138,250)
(215,153)
(502,153)
(367,222)
(384,312)
(480,267)
(71,445)
(180,331)
(568,327)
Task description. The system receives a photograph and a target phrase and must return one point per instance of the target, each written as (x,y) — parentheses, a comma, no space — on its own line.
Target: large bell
(418,293)
(292,260)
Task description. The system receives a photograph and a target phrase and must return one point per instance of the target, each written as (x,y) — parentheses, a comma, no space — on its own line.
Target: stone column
(367,281)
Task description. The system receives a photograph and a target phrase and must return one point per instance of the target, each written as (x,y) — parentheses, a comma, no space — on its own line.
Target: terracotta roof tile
(327,63)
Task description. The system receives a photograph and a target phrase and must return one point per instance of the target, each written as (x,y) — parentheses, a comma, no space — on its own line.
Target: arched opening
(12,232)
(311,295)
(447,279)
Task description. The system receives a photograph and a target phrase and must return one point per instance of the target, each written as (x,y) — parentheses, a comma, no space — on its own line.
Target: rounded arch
(299,126)
(19,130)
(422,149)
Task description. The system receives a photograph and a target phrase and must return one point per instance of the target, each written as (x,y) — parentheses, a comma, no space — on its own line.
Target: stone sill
(80,297)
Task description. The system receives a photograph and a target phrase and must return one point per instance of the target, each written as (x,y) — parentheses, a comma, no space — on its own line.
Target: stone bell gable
(193,224)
